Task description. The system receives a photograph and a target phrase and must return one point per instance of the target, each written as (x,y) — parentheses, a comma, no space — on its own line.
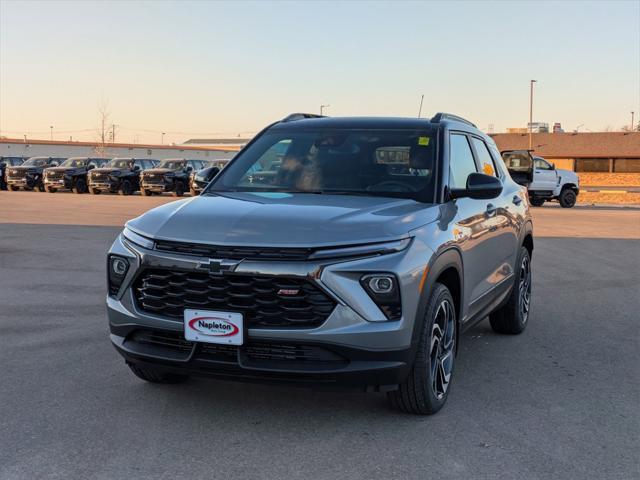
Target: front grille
(154,178)
(16,174)
(264,301)
(234,253)
(254,352)
(99,177)
(55,175)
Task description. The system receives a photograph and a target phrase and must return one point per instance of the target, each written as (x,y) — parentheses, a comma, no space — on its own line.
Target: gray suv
(330,251)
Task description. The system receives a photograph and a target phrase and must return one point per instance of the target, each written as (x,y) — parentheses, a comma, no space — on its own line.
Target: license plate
(213,327)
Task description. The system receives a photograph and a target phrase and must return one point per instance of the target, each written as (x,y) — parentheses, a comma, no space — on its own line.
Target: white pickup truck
(548,182)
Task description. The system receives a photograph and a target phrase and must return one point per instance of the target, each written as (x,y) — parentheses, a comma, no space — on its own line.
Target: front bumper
(65,183)
(374,351)
(157,187)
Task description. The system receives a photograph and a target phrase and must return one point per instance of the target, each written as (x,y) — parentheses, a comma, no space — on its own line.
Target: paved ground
(560,401)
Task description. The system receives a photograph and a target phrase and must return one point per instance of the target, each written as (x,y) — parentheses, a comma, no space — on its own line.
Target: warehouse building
(613,152)
(51,148)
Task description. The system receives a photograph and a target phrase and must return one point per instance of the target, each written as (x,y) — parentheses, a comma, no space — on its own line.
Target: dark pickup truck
(200,179)
(29,174)
(71,175)
(120,175)
(171,175)
(7,162)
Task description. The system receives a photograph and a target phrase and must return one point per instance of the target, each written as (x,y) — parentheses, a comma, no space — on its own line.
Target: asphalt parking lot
(560,401)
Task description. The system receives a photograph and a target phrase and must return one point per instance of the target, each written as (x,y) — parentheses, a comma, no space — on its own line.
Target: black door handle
(491,210)
(516,200)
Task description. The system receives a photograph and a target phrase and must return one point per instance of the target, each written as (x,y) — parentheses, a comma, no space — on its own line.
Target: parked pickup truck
(548,182)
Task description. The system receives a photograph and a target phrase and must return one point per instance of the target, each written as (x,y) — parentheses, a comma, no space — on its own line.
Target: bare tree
(103,127)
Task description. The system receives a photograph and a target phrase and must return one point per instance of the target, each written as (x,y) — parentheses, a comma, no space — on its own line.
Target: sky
(214,69)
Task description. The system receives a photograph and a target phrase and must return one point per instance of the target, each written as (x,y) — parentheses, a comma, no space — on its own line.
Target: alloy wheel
(525,288)
(442,350)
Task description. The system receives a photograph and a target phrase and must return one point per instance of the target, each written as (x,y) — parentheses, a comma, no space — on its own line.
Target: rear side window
(484,157)
(461,163)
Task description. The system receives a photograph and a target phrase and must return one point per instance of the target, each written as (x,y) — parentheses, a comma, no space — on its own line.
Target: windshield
(74,162)
(393,163)
(36,162)
(171,164)
(119,163)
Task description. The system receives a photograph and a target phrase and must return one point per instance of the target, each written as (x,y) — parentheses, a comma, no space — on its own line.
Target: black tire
(145,193)
(80,186)
(178,189)
(537,202)
(126,188)
(13,188)
(50,189)
(567,197)
(94,191)
(426,388)
(41,188)
(513,317)
(156,376)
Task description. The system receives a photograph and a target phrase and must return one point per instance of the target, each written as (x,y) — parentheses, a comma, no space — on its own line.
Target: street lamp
(162,141)
(322,107)
(632,124)
(531,112)
(51,130)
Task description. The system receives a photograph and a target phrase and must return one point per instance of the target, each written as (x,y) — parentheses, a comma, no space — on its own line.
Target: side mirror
(188,169)
(54,164)
(90,167)
(553,166)
(479,187)
(212,173)
(136,168)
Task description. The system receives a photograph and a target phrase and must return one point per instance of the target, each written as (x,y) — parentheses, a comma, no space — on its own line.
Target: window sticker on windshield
(424,141)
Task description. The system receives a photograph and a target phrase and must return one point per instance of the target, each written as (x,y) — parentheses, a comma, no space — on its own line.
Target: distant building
(538,127)
(13,147)
(615,152)
(236,143)
(557,128)
(517,130)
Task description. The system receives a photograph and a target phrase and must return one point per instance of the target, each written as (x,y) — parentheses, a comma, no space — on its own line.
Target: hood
(567,175)
(63,169)
(108,170)
(284,220)
(23,168)
(159,170)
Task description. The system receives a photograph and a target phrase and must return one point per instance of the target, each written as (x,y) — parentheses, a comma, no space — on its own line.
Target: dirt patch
(608,179)
(591,198)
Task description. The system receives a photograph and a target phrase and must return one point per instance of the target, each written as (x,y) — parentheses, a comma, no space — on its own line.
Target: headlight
(384,290)
(117,268)
(136,239)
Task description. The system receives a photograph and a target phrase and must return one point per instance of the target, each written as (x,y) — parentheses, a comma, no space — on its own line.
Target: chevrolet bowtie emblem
(218,267)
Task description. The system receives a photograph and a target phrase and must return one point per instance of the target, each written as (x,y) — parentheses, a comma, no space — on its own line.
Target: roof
(354,122)
(574,145)
(112,145)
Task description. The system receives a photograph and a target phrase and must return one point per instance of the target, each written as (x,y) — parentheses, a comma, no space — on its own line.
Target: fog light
(117,269)
(384,290)
(380,284)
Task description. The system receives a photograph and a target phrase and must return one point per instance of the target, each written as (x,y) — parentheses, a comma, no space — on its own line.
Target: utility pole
(531,113)
(113,133)
(51,130)
(420,109)
(632,124)
(162,141)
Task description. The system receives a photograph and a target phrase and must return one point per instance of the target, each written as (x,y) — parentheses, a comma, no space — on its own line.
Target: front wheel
(567,198)
(80,186)
(126,188)
(156,376)
(94,191)
(50,190)
(537,202)
(426,389)
(512,318)
(178,190)
(13,188)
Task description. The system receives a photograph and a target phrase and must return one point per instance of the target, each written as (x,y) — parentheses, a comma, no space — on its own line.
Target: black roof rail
(449,116)
(300,116)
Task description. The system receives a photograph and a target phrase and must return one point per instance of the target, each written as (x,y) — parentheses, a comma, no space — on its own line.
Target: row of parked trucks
(118,175)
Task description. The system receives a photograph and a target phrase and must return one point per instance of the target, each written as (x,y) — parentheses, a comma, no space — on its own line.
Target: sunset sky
(203,69)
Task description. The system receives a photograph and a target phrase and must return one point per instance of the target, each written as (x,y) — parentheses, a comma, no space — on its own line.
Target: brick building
(614,152)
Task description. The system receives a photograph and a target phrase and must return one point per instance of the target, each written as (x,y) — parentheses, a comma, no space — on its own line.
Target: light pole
(632,124)
(531,112)
(51,130)
(420,109)
(322,107)
(162,141)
